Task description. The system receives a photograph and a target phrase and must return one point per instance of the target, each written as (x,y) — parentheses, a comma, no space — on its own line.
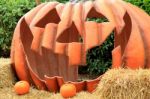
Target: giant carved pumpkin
(46,50)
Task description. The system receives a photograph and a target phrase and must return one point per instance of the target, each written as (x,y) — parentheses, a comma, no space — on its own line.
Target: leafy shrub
(10,13)
(99,58)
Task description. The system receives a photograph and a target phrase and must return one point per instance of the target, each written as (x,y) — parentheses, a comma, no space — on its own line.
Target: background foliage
(10,13)
(98,58)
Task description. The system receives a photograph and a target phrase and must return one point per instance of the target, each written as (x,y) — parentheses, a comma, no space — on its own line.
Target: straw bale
(124,84)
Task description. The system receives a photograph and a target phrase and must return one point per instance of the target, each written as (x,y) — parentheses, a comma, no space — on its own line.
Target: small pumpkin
(22,87)
(46,50)
(68,90)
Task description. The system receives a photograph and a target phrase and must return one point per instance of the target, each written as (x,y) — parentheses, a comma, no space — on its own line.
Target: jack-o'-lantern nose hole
(98,60)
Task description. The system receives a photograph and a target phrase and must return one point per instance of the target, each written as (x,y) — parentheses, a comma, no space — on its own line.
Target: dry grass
(7,81)
(8,93)
(115,84)
(7,78)
(124,84)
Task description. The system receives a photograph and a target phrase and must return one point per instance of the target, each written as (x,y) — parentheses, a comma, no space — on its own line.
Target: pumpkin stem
(73,1)
(37,2)
(76,1)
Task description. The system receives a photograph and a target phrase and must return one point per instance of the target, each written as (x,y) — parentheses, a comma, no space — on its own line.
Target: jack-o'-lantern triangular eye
(48,14)
(49,18)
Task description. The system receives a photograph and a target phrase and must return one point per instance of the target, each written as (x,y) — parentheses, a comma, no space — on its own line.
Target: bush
(99,58)
(10,13)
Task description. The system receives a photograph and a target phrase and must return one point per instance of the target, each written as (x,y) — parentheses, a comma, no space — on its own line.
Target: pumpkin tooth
(60,48)
(49,36)
(37,38)
(105,29)
(74,58)
(92,35)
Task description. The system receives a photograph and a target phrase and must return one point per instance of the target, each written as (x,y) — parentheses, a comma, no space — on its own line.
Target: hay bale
(115,84)
(8,93)
(7,79)
(124,84)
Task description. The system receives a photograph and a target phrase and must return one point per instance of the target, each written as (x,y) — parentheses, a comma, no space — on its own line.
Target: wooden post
(37,2)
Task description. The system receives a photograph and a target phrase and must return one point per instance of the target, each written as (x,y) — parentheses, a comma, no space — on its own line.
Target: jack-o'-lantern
(46,50)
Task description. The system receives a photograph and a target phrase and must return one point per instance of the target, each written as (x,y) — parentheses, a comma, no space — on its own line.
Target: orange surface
(46,50)
(22,87)
(68,90)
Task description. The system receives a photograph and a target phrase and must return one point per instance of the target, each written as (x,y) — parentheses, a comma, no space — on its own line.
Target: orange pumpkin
(46,50)
(22,87)
(68,90)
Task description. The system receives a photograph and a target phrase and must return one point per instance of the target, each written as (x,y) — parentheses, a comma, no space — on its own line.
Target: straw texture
(7,78)
(115,84)
(124,84)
